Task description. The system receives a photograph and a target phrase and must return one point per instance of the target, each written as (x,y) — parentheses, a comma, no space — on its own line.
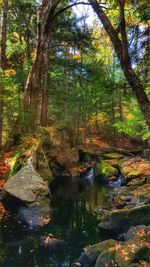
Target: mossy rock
(42,164)
(123,253)
(135,249)
(130,196)
(135,168)
(115,162)
(132,253)
(105,169)
(106,258)
(121,220)
(89,257)
(112,156)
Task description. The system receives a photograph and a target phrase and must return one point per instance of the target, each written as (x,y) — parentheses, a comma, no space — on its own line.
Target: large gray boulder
(27,185)
(33,192)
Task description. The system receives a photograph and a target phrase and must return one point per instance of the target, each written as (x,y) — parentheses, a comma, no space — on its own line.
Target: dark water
(74,205)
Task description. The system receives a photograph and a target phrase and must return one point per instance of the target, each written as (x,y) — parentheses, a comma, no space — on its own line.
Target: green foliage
(87,89)
(134,126)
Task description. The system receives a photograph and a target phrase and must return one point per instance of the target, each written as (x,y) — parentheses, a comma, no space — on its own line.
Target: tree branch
(67,7)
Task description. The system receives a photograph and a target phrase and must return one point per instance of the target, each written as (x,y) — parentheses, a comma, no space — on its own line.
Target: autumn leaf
(10,72)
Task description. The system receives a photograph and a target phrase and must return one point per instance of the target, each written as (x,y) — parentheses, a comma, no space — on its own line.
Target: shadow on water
(74,220)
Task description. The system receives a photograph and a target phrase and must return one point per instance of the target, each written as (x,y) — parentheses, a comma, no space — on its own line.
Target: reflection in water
(73,220)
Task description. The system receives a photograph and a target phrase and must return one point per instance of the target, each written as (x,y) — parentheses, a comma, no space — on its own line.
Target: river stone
(36,214)
(91,253)
(52,244)
(146,152)
(105,171)
(122,219)
(112,156)
(135,168)
(27,185)
(124,254)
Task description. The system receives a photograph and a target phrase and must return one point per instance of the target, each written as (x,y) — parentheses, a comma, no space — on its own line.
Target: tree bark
(31,99)
(3,60)
(44,108)
(121,49)
(65,86)
(3,34)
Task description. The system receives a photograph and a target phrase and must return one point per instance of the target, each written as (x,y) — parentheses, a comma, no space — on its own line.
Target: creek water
(75,202)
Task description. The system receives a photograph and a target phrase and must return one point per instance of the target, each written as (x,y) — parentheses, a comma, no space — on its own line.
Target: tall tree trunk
(65,86)
(3,60)
(31,99)
(44,108)
(121,49)
(3,34)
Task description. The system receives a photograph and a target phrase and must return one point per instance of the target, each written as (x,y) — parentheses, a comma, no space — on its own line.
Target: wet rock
(52,244)
(114,155)
(31,195)
(122,253)
(36,214)
(91,253)
(105,171)
(121,220)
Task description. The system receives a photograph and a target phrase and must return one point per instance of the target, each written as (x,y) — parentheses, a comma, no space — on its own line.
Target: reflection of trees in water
(73,220)
(74,205)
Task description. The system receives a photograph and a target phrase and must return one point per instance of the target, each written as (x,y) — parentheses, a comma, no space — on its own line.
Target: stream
(75,201)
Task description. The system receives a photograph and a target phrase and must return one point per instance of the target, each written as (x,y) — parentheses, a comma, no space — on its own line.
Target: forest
(74,133)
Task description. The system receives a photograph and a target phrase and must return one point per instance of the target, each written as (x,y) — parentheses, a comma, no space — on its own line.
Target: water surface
(73,219)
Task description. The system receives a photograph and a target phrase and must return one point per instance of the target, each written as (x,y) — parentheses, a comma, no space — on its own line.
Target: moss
(106,169)
(106,257)
(135,167)
(100,247)
(123,253)
(142,254)
(123,219)
(115,162)
(113,156)
(15,163)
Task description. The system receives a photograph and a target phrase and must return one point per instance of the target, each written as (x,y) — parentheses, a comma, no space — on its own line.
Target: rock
(106,171)
(35,214)
(118,253)
(65,155)
(52,244)
(121,220)
(116,163)
(135,168)
(131,195)
(146,152)
(91,253)
(42,164)
(107,258)
(112,156)
(27,185)
(135,249)
(32,194)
